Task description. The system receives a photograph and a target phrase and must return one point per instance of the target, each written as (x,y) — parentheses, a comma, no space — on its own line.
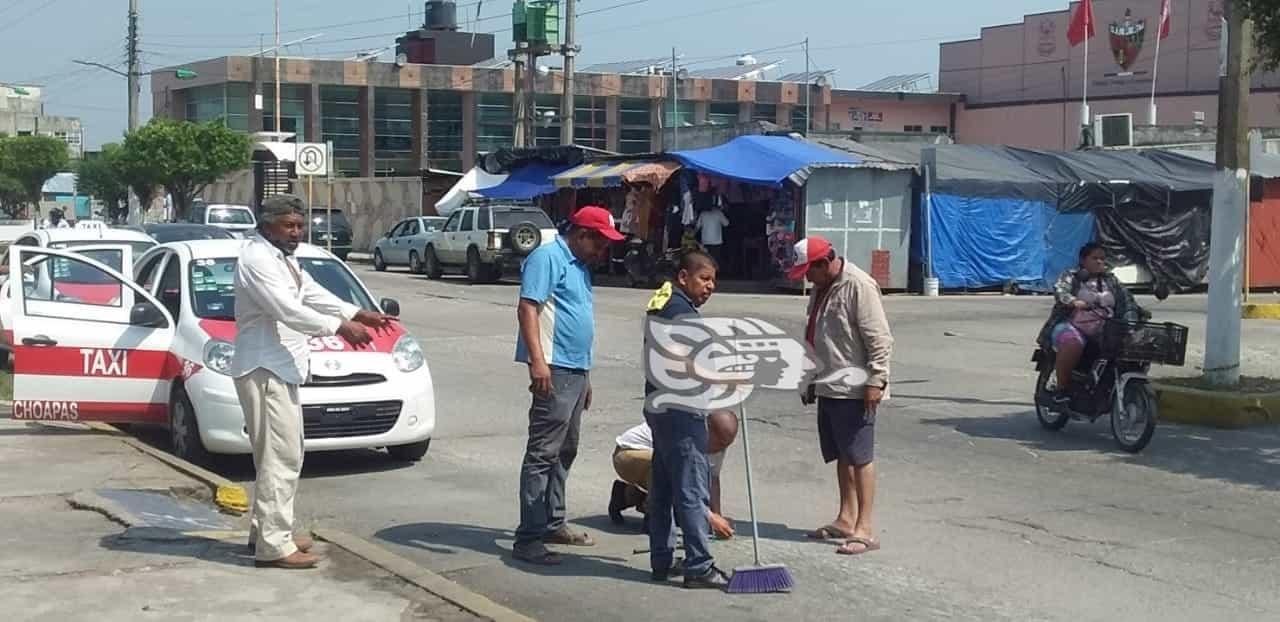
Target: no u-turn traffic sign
(312,159)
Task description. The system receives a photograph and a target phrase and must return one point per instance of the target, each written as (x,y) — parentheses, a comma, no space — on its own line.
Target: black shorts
(845,431)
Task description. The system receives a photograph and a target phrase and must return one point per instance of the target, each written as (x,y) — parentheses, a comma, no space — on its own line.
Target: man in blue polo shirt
(557,334)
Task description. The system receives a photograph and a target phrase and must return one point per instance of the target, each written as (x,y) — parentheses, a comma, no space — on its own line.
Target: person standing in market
(278,306)
(710,225)
(556,341)
(848,330)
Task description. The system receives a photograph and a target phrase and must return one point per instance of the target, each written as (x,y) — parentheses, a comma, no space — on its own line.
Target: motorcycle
(645,264)
(1112,379)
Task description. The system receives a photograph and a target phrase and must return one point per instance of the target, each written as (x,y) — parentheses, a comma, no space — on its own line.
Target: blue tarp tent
(527,182)
(764,160)
(998,215)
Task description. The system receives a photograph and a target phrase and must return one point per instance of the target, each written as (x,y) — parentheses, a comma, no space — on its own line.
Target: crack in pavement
(89,572)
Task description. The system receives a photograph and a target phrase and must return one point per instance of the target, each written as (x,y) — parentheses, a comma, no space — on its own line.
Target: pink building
(1023,82)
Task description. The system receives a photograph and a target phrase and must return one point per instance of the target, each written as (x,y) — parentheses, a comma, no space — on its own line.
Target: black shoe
(618,502)
(1060,398)
(713,579)
(661,576)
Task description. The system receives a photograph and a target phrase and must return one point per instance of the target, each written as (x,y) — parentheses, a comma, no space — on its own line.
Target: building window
(765,112)
(684,114)
(444,130)
(494,127)
(636,133)
(938,129)
(591,122)
(799,118)
(913,129)
(228,102)
(393,133)
(340,123)
(293,103)
(723,113)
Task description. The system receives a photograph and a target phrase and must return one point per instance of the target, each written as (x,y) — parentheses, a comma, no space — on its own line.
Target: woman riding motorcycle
(1086,297)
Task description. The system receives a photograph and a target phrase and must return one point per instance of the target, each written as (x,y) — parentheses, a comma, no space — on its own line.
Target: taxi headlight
(408,354)
(218,355)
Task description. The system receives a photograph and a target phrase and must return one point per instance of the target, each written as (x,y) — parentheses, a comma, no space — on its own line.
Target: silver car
(403,244)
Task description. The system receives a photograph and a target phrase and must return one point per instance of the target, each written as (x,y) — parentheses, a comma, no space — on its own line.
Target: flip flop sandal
(868,545)
(538,558)
(567,538)
(829,532)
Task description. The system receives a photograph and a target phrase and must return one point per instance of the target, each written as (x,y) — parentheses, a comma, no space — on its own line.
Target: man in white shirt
(278,306)
(711,224)
(55,220)
(633,460)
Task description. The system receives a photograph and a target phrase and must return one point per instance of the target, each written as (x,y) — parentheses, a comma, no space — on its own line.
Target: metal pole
(808,91)
(277,53)
(517,57)
(569,50)
(531,98)
(675,103)
(1230,204)
(133,65)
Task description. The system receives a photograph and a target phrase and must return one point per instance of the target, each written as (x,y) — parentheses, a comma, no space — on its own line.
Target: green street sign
(17,90)
(185,74)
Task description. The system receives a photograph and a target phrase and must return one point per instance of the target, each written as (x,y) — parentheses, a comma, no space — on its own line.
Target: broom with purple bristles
(757,578)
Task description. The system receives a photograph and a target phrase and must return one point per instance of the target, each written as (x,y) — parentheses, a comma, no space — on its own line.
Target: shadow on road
(172,543)
(446,538)
(1247,457)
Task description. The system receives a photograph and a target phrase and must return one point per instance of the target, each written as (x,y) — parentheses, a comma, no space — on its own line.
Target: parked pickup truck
(486,241)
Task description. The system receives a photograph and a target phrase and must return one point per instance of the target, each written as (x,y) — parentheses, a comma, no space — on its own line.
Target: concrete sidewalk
(93,528)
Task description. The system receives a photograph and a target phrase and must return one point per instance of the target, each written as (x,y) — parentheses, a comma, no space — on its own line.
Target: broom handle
(751,495)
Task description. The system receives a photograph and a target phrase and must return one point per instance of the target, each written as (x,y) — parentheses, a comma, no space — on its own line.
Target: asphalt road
(982,514)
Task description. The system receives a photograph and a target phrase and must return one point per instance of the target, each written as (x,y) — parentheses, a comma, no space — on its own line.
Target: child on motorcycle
(1085,297)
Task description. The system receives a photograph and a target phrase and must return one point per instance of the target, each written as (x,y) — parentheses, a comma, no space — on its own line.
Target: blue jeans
(552,447)
(679,491)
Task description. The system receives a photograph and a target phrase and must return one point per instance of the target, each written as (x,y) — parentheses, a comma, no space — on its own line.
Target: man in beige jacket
(849,332)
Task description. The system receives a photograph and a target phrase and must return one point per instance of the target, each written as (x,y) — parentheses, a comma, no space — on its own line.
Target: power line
(24,16)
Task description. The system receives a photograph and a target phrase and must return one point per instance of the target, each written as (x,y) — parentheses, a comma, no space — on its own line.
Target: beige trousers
(273,416)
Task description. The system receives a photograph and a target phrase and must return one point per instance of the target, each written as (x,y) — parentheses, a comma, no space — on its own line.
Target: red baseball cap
(808,250)
(598,219)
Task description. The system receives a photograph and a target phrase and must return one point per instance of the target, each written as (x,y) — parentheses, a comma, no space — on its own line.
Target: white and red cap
(808,250)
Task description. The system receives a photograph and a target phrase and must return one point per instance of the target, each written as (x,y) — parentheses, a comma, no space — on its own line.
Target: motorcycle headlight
(408,354)
(218,355)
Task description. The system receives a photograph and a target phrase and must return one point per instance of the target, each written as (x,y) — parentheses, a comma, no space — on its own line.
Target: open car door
(88,344)
(116,256)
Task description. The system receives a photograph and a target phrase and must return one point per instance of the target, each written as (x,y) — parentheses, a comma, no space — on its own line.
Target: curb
(1217,409)
(405,569)
(419,576)
(1260,311)
(361,258)
(229,496)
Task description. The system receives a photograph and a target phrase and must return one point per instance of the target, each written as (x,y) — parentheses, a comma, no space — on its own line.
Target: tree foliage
(1266,30)
(26,162)
(101,177)
(181,156)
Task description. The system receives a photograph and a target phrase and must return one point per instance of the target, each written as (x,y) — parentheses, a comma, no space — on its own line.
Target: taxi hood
(384,340)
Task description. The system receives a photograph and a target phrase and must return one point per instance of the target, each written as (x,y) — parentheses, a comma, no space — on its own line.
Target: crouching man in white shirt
(278,306)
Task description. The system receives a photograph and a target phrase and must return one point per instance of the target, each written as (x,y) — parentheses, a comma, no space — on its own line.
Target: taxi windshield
(213,285)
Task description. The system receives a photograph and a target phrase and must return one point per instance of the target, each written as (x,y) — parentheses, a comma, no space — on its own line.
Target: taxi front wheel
(184,432)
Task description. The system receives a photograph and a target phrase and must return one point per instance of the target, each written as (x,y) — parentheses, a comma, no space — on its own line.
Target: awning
(475,179)
(527,182)
(612,174)
(765,160)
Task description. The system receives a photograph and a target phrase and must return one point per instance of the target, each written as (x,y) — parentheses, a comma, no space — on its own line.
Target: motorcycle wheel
(1135,423)
(1049,419)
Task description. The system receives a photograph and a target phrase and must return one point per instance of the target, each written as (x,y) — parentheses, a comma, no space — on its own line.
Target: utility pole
(277,108)
(518,57)
(675,102)
(569,50)
(1230,203)
(134,73)
(808,91)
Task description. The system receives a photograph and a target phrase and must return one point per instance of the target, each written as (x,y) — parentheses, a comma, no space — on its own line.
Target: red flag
(1166,15)
(1081,24)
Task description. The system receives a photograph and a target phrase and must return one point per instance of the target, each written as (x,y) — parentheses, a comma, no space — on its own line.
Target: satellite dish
(402,59)
(683,74)
(543,70)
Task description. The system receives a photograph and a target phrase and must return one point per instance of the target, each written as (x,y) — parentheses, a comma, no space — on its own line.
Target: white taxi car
(159,353)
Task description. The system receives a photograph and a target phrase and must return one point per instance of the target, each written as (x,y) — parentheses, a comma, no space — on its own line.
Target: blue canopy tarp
(764,160)
(529,181)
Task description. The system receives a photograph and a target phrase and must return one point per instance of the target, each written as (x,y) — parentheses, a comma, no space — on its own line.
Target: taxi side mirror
(391,307)
(147,315)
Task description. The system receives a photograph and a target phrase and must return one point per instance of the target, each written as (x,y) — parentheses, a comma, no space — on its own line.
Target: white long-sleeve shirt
(278,306)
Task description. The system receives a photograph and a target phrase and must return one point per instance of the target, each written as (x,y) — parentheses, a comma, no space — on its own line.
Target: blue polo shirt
(561,286)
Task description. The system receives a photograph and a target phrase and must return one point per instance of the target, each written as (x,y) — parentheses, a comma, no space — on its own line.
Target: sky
(864,40)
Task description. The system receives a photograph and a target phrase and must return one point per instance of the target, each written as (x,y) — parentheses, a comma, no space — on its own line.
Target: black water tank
(441,15)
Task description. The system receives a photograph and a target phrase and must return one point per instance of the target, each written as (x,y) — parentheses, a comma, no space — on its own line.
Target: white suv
(238,219)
